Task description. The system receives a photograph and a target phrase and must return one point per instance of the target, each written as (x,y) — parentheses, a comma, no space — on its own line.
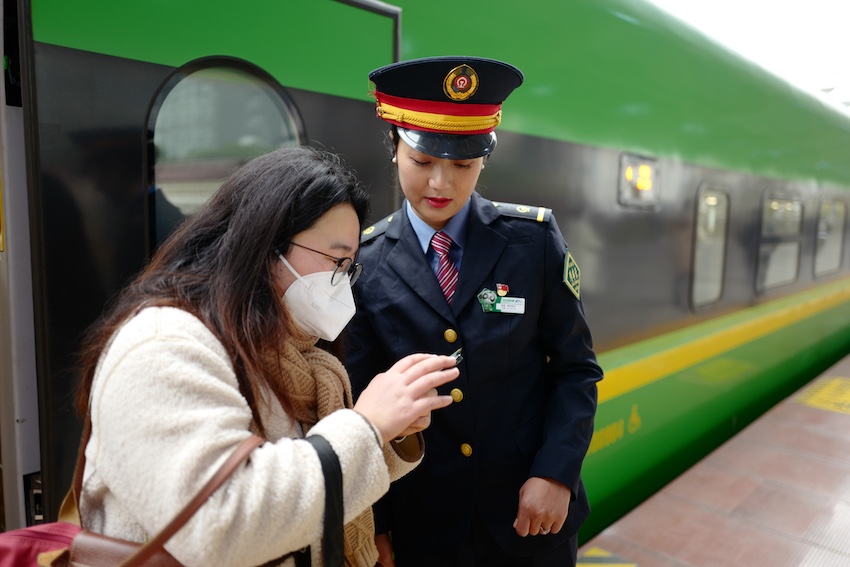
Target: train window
(779,246)
(209,121)
(709,246)
(830,239)
(638,185)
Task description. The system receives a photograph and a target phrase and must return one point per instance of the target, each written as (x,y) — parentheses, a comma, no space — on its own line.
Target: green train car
(705,200)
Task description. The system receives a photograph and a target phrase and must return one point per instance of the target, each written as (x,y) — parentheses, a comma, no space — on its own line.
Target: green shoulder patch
(376,230)
(540,214)
(572,275)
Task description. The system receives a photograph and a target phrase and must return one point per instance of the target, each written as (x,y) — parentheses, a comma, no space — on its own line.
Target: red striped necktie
(446,270)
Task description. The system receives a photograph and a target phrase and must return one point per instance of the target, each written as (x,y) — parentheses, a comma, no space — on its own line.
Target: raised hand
(400,400)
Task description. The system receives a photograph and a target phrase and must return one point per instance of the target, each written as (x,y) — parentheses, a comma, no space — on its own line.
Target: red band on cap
(430,116)
(434,107)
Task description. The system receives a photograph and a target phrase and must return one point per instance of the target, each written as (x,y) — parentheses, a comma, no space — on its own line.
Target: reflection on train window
(211,121)
(638,185)
(709,247)
(830,239)
(779,246)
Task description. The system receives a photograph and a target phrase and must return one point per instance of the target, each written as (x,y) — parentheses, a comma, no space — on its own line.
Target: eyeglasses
(343,266)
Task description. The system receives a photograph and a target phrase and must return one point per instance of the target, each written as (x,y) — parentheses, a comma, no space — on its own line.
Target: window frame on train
(708,275)
(202,174)
(824,232)
(782,234)
(639,183)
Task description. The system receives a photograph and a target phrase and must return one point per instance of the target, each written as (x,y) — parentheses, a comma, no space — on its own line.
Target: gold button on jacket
(457,395)
(466,449)
(450,335)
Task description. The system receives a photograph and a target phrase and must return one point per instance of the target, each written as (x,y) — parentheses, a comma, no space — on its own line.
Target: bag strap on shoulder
(224,471)
(333,546)
(69,511)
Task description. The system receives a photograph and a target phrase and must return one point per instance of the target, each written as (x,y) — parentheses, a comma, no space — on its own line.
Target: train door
(131,115)
(19,428)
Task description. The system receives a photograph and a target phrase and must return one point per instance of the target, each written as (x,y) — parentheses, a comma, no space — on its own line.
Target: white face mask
(319,307)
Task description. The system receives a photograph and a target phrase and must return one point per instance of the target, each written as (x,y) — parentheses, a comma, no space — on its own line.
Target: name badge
(492,302)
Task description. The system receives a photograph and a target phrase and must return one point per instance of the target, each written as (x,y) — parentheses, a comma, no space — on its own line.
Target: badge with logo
(461,83)
(572,275)
(501,289)
(493,302)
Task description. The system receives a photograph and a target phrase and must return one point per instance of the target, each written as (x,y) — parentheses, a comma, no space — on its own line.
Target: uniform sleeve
(571,374)
(166,412)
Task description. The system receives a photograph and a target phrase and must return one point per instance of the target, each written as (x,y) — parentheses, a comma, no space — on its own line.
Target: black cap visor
(449,146)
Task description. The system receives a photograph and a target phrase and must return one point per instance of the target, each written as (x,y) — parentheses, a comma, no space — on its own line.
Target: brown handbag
(89,549)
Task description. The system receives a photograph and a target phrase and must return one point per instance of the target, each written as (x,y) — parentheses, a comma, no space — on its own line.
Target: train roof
(609,73)
(624,74)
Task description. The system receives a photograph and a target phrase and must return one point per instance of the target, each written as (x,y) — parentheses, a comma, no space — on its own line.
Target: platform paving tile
(776,495)
(713,487)
(803,472)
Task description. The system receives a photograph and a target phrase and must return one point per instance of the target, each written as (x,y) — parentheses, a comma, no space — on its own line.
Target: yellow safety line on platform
(600,558)
(647,370)
(831,394)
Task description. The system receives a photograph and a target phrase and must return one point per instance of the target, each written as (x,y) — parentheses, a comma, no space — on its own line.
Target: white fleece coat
(166,412)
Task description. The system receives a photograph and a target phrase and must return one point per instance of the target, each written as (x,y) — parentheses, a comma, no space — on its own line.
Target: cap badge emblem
(461,83)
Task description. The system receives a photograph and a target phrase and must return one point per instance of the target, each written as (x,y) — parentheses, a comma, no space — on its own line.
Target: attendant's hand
(385,550)
(543,507)
(402,398)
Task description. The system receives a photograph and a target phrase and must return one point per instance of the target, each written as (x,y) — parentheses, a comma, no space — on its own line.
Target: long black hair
(218,264)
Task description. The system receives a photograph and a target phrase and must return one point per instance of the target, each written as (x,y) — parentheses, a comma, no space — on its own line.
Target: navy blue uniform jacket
(527,384)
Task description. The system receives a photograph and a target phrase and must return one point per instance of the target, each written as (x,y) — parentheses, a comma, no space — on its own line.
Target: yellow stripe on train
(647,370)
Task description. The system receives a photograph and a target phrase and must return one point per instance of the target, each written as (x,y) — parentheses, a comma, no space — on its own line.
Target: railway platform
(775,495)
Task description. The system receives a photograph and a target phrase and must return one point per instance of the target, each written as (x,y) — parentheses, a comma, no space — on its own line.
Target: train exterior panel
(704,199)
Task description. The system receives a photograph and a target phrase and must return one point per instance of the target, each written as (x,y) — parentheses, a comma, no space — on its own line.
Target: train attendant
(454,272)
(215,340)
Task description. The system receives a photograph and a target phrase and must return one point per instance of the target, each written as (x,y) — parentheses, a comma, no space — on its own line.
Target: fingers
(424,406)
(558,525)
(425,376)
(525,528)
(420,424)
(543,507)
(403,397)
(431,400)
(385,550)
(525,525)
(405,363)
(422,379)
(521,526)
(417,366)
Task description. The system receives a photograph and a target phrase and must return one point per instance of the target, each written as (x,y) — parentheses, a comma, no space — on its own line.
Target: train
(704,199)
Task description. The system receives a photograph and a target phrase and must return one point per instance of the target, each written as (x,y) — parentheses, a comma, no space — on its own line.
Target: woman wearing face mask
(215,340)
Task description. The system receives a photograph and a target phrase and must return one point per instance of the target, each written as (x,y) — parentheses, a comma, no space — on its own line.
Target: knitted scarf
(318,385)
